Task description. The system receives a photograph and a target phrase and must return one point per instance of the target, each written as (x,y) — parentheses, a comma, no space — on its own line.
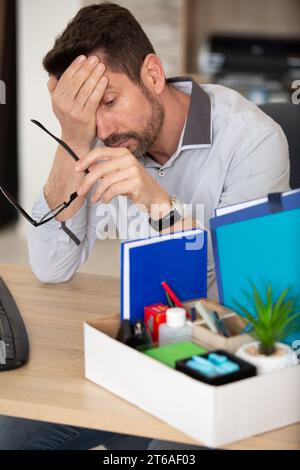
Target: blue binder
(259,244)
(179,258)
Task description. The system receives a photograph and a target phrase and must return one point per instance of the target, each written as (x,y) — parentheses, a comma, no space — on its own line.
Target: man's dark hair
(107,28)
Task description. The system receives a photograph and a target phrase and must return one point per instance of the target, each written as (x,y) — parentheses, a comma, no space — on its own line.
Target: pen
(220,325)
(173,296)
(169,301)
(193,313)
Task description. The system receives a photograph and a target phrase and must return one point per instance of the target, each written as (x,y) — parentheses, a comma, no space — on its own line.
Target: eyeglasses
(54,212)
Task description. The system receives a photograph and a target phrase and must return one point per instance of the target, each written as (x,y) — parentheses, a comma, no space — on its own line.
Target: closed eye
(110,103)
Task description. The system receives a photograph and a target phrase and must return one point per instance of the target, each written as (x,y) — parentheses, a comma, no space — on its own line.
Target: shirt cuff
(76,224)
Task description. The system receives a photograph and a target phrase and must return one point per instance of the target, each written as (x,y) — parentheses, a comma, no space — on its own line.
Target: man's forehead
(111,87)
(115,79)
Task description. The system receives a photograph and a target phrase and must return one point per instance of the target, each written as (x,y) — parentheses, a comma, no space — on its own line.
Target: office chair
(287,115)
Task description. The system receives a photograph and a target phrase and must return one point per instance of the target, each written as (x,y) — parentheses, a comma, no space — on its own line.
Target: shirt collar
(197,130)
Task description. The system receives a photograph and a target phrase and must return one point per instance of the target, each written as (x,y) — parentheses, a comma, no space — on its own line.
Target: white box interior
(214,416)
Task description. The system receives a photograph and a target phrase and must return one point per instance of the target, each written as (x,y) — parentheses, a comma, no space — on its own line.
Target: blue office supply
(216,368)
(179,258)
(227,368)
(201,361)
(206,368)
(258,243)
(217,359)
(213,365)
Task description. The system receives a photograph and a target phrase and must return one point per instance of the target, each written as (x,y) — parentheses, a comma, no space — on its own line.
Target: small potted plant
(269,324)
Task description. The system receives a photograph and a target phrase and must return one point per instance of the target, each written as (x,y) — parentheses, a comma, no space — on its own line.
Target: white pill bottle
(176,328)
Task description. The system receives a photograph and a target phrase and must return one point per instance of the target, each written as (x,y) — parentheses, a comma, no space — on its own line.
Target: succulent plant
(270,321)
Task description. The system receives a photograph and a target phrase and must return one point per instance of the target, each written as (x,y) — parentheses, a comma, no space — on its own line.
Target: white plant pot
(266,364)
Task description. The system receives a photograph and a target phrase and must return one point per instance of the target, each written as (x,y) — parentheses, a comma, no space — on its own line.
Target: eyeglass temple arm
(66,204)
(61,142)
(17,206)
(63,207)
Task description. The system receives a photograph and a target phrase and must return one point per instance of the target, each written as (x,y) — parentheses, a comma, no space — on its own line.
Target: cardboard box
(215,416)
(233,322)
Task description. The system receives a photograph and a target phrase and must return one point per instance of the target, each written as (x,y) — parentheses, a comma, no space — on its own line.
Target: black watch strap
(165,222)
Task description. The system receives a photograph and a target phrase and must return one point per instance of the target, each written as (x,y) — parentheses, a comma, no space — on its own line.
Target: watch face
(179,207)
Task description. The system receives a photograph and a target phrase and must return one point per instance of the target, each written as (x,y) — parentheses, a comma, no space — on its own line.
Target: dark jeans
(22,434)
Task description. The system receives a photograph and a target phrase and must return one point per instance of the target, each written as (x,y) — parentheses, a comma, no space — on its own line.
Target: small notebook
(180,259)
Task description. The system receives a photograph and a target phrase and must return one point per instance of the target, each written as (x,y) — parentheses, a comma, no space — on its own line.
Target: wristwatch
(177,213)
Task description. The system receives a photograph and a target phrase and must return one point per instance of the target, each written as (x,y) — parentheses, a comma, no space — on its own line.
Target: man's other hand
(118,172)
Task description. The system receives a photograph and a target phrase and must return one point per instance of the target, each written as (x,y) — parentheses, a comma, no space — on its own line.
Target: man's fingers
(97,95)
(109,180)
(80,78)
(99,172)
(100,154)
(122,188)
(69,73)
(88,88)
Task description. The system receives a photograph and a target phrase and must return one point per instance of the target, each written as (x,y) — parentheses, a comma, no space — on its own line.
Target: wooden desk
(52,387)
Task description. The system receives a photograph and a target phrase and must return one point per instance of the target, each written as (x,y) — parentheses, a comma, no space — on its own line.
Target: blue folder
(180,259)
(259,245)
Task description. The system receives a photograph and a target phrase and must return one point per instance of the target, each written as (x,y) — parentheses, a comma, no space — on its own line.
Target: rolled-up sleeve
(54,255)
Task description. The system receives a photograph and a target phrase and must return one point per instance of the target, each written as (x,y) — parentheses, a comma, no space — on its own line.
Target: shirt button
(161,173)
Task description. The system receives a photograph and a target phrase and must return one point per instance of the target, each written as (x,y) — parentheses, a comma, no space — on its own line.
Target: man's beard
(150,133)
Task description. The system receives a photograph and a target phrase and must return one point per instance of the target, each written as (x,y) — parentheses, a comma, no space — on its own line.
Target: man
(207,145)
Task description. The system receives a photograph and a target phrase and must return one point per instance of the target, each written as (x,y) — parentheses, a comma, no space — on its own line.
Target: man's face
(128,115)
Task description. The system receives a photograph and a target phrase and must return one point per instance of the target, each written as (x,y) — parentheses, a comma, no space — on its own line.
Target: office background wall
(39,22)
